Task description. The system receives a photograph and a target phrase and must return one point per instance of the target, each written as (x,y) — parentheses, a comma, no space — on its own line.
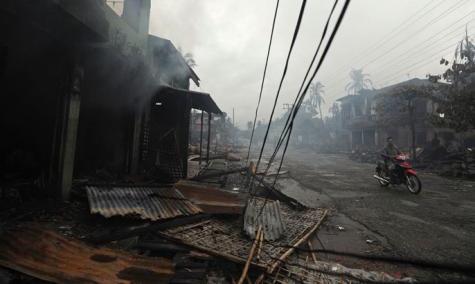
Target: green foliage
(457,108)
(315,101)
(397,107)
(359,81)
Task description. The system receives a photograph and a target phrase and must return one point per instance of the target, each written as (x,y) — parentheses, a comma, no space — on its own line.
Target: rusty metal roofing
(265,213)
(152,203)
(45,254)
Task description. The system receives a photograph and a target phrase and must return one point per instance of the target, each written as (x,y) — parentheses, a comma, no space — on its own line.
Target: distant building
(360,119)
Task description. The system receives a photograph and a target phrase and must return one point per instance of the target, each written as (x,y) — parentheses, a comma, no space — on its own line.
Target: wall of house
(35,82)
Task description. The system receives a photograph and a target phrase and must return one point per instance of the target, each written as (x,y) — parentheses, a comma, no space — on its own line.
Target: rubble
(192,225)
(47,255)
(224,238)
(211,199)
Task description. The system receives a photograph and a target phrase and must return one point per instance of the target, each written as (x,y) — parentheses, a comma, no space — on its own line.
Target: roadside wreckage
(193,231)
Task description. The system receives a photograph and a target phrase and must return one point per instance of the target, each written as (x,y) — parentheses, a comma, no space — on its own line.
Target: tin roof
(199,100)
(152,203)
(265,213)
(40,252)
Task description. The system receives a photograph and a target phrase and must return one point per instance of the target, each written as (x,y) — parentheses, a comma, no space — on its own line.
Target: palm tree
(465,49)
(359,81)
(316,99)
(189,58)
(334,109)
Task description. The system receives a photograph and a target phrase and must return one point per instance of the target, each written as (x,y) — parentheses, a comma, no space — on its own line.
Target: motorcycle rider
(390,151)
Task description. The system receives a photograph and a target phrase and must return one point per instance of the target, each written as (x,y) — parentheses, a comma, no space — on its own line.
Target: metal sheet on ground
(146,202)
(47,255)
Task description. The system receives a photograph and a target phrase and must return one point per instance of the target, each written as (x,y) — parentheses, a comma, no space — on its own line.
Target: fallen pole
(311,251)
(218,174)
(251,255)
(283,257)
(128,232)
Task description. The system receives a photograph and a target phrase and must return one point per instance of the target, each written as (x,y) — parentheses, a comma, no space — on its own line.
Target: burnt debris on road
(119,164)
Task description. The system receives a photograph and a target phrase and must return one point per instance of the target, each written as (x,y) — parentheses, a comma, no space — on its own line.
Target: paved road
(438,225)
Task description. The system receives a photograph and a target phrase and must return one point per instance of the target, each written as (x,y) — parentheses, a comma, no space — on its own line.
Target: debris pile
(209,228)
(453,164)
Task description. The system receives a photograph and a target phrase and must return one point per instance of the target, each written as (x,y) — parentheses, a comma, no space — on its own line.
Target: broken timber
(251,255)
(218,174)
(124,233)
(224,239)
(283,257)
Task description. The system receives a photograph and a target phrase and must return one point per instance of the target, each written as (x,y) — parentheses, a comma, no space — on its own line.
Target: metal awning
(201,101)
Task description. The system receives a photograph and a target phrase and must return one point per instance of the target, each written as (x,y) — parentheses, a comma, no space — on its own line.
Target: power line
(322,58)
(299,93)
(442,15)
(263,77)
(383,41)
(415,50)
(294,38)
(332,88)
(434,20)
(414,55)
(425,61)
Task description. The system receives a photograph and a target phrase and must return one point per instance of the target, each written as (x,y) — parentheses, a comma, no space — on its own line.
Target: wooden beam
(251,255)
(209,136)
(201,137)
(283,257)
(314,257)
(127,232)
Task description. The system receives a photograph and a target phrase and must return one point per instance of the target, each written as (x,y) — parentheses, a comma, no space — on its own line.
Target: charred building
(88,91)
(362,119)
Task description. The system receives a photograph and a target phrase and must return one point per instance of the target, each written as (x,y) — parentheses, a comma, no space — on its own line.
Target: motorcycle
(399,172)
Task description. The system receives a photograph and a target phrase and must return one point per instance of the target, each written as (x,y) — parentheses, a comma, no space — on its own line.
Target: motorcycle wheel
(379,172)
(413,184)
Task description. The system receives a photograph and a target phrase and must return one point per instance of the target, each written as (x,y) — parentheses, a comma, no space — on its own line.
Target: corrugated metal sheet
(211,199)
(47,255)
(146,202)
(265,213)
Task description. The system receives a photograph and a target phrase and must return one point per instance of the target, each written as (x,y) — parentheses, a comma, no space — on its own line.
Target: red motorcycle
(397,171)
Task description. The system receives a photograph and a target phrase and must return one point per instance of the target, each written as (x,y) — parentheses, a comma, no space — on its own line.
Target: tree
(457,107)
(249,125)
(334,110)
(316,99)
(397,108)
(189,58)
(359,81)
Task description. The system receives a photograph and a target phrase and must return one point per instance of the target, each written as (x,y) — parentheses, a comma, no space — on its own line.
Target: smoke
(229,41)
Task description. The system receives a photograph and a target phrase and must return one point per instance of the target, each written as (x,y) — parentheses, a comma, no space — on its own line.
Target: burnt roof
(166,44)
(199,100)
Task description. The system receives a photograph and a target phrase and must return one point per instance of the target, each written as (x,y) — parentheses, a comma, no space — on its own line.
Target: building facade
(80,87)
(366,131)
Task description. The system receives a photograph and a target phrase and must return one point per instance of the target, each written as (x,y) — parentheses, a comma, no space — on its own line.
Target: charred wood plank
(218,174)
(128,232)
(157,246)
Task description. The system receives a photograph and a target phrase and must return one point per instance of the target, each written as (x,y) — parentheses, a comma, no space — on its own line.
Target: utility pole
(288,107)
(234,133)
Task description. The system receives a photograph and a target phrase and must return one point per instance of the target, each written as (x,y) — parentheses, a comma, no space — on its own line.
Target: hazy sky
(392,40)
